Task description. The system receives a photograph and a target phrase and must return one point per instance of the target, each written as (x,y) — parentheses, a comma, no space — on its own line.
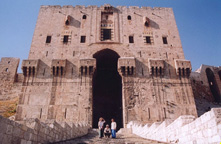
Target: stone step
(92,138)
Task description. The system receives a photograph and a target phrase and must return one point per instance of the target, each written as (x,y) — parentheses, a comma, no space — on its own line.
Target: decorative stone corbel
(30,67)
(58,67)
(127,66)
(87,66)
(156,67)
(183,67)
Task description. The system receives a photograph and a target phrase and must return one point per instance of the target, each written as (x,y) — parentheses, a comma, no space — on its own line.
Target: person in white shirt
(107,131)
(113,128)
(101,126)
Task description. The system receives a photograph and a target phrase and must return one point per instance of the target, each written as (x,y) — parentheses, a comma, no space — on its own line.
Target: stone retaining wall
(186,129)
(33,131)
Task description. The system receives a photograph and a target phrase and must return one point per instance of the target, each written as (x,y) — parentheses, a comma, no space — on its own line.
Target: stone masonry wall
(204,98)
(9,88)
(33,131)
(55,85)
(200,82)
(185,130)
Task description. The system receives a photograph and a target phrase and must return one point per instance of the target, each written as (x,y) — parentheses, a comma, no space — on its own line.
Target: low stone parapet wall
(32,131)
(186,129)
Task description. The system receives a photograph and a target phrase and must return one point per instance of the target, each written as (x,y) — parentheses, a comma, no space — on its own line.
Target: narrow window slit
(48,39)
(57,71)
(131,39)
(29,71)
(33,71)
(164,40)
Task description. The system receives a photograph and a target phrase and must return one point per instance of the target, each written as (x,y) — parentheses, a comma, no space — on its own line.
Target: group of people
(107,131)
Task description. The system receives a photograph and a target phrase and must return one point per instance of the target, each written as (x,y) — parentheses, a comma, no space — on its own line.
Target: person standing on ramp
(113,128)
(101,126)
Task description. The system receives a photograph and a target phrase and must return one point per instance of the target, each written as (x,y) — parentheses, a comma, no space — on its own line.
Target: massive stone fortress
(115,62)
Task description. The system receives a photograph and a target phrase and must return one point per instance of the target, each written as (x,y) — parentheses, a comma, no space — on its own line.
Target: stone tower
(115,62)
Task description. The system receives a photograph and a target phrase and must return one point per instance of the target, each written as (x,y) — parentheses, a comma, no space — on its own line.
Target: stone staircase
(122,138)
(186,129)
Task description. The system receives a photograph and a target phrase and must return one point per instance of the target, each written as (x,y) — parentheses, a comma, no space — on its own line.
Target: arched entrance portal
(107,88)
(213,85)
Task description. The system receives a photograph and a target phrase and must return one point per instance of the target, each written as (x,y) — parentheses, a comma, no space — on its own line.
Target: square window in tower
(48,39)
(83,39)
(164,40)
(106,34)
(65,40)
(148,40)
(131,39)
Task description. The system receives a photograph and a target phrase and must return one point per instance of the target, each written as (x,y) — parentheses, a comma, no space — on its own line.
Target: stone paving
(92,138)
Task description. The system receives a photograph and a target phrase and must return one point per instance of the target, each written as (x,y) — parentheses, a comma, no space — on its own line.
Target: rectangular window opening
(82,70)
(48,39)
(106,34)
(152,70)
(65,40)
(83,39)
(65,114)
(29,72)
(33,72)
(25,71)
(131,39)
(123,70)
(148,113)
(165,40)
(61,70)
(148,40)
(40,113)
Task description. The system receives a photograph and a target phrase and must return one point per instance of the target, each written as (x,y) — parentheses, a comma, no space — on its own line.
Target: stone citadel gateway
(87,62)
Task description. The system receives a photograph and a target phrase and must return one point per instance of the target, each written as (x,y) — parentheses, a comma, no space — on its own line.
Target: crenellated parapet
(87,66)
(127,66)
(30,67)
(183,67)
(156,66)
(58,67)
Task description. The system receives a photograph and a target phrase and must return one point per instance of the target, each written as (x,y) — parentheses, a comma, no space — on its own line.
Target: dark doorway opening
(107,89)
(212,84)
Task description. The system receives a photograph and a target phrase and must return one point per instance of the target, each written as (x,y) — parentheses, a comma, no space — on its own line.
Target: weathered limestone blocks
(206,84)
(8,77)
(8,69)
(156,66)
(32,131)
(127,66)
(68,46)
(87,66)
(183,67)
(30,67)
(186,129)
